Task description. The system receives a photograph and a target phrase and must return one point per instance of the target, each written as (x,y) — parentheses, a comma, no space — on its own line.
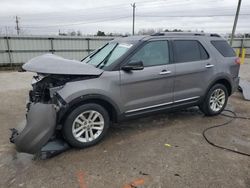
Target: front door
(152,87)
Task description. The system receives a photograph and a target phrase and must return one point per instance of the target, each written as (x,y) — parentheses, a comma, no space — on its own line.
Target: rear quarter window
(224,48)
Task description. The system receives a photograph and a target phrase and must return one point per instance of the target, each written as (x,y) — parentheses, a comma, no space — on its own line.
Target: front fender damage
(40,126)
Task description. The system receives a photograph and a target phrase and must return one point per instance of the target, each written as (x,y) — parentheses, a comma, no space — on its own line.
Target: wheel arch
(106,102)
(224,80)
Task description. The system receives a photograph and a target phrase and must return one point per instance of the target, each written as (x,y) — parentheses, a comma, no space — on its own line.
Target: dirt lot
(133,153)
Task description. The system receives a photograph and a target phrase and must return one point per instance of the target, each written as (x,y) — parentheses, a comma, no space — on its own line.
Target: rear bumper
(235,85)
(40,126)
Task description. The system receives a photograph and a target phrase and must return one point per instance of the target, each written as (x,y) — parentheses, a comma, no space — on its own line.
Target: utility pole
(133,29)
(17,25)
(235,22)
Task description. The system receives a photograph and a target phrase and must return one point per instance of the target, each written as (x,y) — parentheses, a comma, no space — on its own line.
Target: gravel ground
(161,151)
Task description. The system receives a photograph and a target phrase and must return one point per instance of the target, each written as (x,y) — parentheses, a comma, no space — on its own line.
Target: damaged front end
(40,135)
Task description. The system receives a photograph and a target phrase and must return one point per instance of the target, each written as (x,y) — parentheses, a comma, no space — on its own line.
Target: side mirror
(134,65)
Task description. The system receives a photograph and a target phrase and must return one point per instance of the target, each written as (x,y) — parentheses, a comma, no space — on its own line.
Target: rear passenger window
(223,47)
(189,50)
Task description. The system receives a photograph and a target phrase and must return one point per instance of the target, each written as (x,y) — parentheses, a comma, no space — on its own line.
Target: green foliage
(100,33)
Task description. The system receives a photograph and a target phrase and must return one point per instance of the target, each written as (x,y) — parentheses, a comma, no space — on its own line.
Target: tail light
(237,61)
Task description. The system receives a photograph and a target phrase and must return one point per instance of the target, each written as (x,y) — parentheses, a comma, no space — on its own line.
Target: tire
(78,125)
(210,108)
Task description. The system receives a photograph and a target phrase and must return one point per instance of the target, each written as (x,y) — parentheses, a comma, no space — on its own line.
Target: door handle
(164,72)
(209,65)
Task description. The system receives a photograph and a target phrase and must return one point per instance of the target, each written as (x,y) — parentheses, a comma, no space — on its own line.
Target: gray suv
(126,78)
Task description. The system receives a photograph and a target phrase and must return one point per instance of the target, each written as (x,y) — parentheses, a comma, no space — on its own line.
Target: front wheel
(86,125)
(215,100)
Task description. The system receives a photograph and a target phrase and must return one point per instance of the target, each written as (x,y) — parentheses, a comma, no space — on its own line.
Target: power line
(79,23)
(123,17)
(117,6)
(176,16)
(100,14)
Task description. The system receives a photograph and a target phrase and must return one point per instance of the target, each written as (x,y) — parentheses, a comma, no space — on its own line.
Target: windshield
(106,55)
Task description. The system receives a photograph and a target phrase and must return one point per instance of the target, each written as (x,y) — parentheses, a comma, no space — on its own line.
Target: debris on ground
(167,145)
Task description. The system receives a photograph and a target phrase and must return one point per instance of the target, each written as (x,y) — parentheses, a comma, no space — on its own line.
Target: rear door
(193,68)
(152,87)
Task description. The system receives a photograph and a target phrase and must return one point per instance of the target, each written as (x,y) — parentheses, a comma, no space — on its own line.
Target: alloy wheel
(217,100)
(88,126)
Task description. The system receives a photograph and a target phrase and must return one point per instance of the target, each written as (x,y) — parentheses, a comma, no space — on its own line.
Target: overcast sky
(89,16)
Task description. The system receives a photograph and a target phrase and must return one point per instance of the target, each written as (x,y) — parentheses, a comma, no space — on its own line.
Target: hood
(53,64)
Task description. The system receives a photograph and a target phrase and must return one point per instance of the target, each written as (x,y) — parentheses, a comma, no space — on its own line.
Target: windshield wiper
(95,52)
(105,60)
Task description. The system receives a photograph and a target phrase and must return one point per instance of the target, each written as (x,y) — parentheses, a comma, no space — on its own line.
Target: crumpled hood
(53,64)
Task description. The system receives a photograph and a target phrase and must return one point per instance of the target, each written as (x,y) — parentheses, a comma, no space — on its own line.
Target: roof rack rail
(214,35)
(157,34)
(186,34)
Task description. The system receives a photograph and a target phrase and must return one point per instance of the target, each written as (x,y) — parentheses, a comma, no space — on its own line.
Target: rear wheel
(86,125)
(215,100)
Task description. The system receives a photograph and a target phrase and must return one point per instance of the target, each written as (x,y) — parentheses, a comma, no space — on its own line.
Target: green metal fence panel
(19,49)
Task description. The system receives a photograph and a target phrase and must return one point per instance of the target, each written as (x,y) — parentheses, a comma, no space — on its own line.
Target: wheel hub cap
(88,126)
(217,100)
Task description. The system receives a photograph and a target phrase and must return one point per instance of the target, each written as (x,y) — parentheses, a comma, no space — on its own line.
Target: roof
(136,38)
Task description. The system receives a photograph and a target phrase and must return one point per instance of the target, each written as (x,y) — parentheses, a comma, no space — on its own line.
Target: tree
(100,33)
(61,33)
(79,33)
(174,30)
(247,35)
(177,30)
(72,33)
(149,31)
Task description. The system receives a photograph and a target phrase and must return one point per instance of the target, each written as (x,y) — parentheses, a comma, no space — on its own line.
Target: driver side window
(152,54)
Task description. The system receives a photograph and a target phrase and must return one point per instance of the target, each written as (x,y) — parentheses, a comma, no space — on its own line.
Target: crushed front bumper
(40,126)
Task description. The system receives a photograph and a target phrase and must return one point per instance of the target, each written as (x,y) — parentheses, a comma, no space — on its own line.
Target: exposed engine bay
(45,86)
